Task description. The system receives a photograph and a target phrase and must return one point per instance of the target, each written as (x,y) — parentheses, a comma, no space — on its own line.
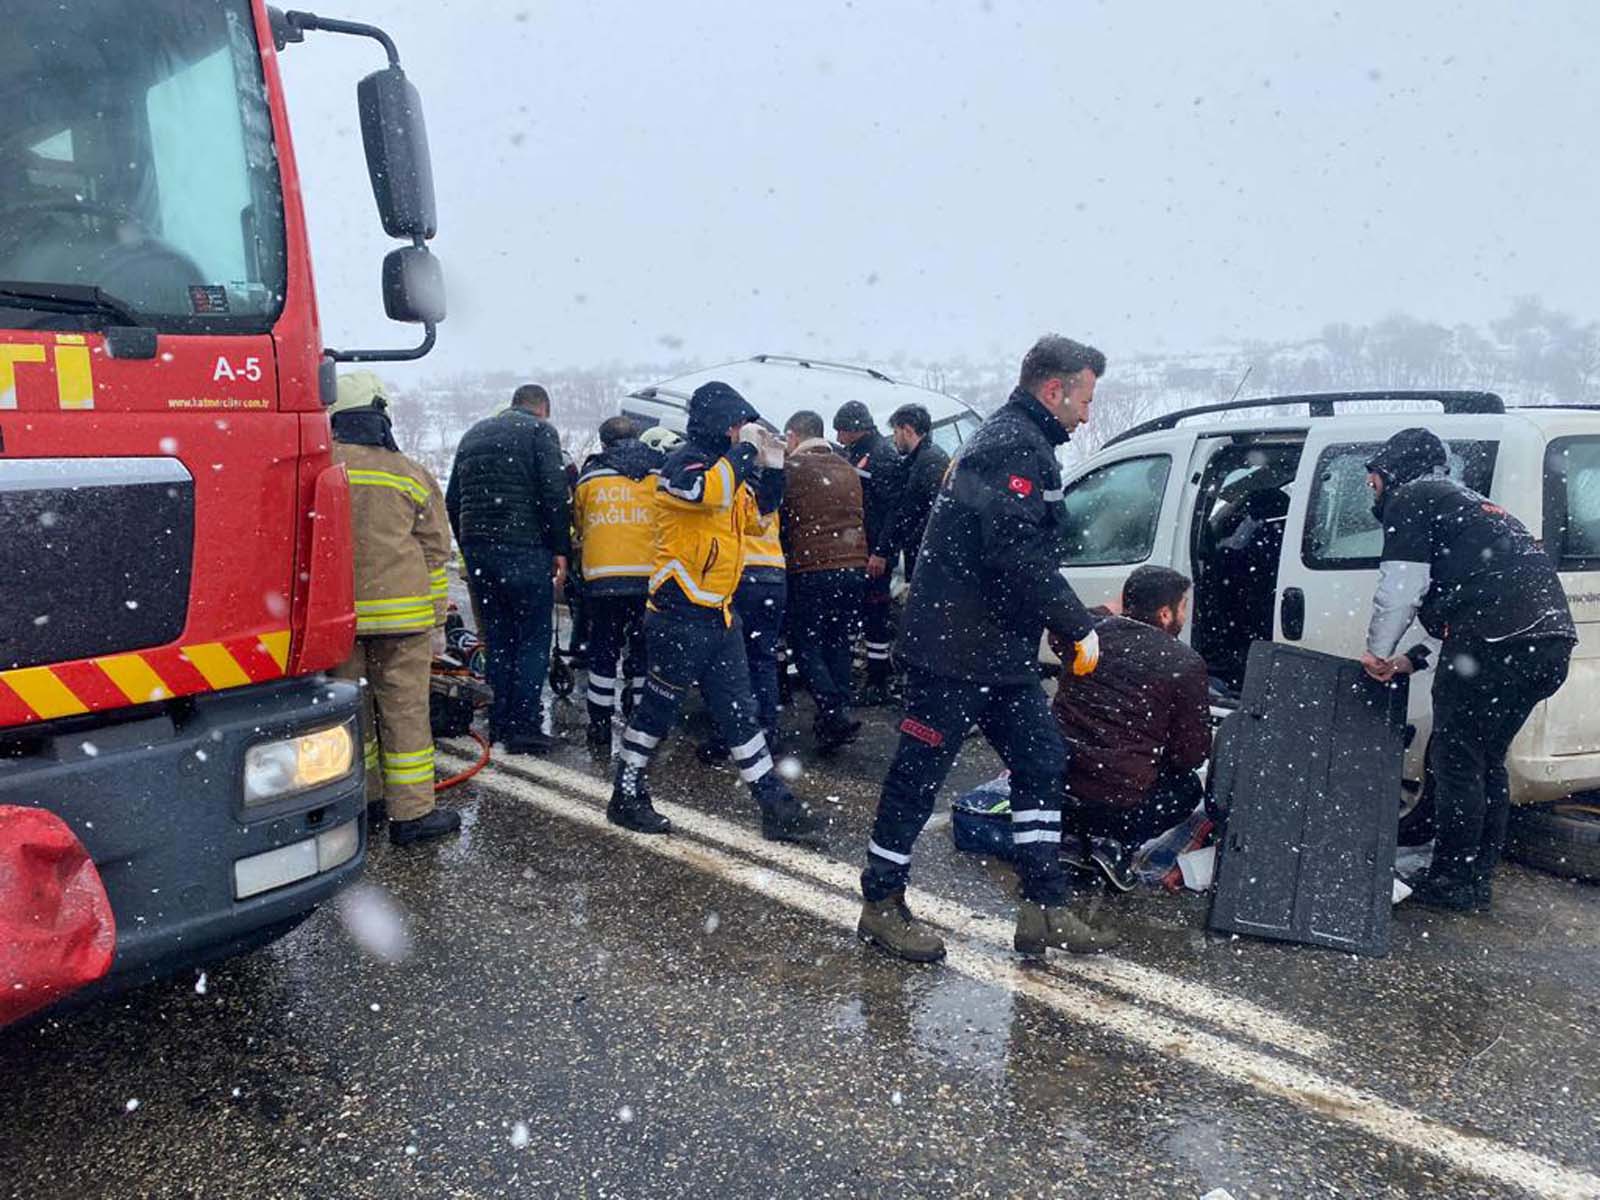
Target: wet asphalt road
(582,1014)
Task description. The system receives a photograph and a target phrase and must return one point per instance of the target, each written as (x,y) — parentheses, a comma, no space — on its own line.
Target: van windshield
(136,156)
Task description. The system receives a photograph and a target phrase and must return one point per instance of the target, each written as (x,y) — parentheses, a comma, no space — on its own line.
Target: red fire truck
(176,542)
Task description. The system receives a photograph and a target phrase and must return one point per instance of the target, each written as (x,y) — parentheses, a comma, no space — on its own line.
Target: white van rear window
(1572,503)
(1341,534)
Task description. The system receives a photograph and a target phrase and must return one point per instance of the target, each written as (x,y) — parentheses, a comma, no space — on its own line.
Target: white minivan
(1270,515)
(780,385)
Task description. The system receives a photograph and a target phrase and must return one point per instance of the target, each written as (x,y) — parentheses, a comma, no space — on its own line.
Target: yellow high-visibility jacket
(763,552)
(707,512)
(402,541)
(614,518)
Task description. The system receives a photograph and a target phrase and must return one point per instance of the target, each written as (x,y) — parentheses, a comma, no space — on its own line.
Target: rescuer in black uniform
(877,462)
(987,585)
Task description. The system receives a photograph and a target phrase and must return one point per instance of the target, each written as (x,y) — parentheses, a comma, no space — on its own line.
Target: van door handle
(1293,613)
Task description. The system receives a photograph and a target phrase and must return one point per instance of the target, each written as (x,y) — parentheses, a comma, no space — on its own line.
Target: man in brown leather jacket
(825,548)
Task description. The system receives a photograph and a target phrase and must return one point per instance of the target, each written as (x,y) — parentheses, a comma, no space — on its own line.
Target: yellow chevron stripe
(44,693)
(394,602)
(396,623)
(277,645)
(135,678)
(365,477)
(219,667)
(409,775)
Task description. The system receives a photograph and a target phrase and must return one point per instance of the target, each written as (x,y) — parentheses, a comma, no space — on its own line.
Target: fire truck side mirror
(396,141)
(413,286)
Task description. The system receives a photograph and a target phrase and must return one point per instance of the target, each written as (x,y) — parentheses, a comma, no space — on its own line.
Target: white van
(781,385)
(1271,517)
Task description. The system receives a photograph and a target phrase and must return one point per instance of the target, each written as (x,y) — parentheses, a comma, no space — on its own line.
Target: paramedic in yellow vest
(713,492)
(614,532)
(402,546)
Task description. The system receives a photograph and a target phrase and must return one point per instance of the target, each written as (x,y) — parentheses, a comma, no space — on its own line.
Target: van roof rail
(1320,404)
(796,360)
(660,395)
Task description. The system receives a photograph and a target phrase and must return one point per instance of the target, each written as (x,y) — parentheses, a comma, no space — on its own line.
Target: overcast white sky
(713,179)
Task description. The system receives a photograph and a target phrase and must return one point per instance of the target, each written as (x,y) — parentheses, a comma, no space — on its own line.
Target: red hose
(483,761)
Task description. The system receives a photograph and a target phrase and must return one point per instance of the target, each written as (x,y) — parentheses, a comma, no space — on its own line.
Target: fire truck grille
(97,556)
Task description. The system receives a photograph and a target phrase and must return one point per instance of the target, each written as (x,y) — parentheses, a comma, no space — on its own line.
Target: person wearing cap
(712,494)
(878,464)
(402,546)
(988,584)
(923,464)
(613,533)
(1475,578)
(509,507)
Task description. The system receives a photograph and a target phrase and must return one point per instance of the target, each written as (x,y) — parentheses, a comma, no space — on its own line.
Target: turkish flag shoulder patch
(1019,485)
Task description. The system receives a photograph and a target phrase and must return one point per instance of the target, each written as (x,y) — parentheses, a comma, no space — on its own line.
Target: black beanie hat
(1409,455)
(854,417)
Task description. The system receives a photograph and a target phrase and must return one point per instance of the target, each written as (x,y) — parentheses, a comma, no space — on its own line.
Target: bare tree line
(1532,355)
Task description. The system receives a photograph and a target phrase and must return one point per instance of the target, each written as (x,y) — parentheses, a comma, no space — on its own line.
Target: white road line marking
(1300,1086)
(1237,1016)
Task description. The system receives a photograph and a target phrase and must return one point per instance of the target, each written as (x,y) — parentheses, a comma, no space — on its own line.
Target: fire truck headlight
(274,770)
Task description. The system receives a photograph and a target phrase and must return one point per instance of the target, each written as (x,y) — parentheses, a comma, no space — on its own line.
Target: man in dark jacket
(922,467)
(508,507)
(1479,581)
(825,549)
(1136,729)
(878,464)
(987,585)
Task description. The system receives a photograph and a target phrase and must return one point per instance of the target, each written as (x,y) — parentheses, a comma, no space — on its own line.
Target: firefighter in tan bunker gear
(402,546)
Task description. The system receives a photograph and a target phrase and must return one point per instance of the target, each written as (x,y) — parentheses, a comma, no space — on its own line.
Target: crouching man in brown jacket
(1136,729)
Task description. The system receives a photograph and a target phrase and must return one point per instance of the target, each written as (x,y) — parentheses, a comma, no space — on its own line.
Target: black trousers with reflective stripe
(686,651)
(877,621)
(1018,723)
(616,624)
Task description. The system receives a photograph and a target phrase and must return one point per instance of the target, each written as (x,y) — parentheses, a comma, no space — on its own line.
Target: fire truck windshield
(136,156)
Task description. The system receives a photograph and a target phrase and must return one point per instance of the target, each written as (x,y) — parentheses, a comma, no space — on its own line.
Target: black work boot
(599,737)
(1433,889)
(441,822)
(1483,893)
(1054,926)
(533,742)
(630,805)
(834,731)
(873,695)
(888,923)
(786,819)
(712,752)
(1115,862)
